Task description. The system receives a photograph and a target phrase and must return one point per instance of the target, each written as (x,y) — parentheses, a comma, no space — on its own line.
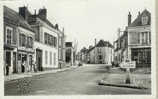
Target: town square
(77,47)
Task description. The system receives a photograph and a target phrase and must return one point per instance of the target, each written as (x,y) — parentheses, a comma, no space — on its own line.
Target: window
(37,33)
(138,37)
(99,57)
(9,32)
(99,50)
(29,42)
(50,40)
(60,40)
(60,51)
(144,37)
(55,42)
(54,58)
(144,20)
(46,57)
(50,58)
(150,37)
(22,40)
(45,38)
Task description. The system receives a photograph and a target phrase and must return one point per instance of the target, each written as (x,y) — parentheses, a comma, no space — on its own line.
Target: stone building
(18,42)
(135,42)
(120,48)
(61,47)
(139,39)
(101,53)
(46,38)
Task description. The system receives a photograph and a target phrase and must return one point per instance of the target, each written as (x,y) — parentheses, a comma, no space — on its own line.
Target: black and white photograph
(78,47)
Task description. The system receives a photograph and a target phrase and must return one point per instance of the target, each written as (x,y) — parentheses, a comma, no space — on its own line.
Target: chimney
(42,13)
(138,14)
(23,11)
(35,12)
(129,18)
(95,42)
(56,26)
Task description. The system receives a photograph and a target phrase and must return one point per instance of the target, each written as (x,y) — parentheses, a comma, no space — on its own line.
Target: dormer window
(144,20)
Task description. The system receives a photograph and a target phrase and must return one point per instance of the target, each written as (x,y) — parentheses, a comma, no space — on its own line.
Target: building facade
(120,48)
(135,42)
(46,38)
(101,53)
(69,53)
(18,43)
(61,48)
(139,39)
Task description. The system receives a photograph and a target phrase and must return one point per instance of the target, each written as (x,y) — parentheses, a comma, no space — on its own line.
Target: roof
(68,44)
(137,21)
(14,17)
(103,43)
(45,20)
(89,50)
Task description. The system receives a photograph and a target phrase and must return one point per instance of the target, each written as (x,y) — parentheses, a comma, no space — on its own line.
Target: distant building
(46,38)
(18,43)
(61,51)
(120,48)
(69,51)
(101,53)
(139,39)
(83,55)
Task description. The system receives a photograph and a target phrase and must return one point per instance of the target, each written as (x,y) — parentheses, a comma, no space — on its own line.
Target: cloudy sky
(85,20)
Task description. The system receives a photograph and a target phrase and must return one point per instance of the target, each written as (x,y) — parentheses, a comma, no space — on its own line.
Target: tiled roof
(44,20)
(13,17)
(137,21)
(103,43)
(89,50)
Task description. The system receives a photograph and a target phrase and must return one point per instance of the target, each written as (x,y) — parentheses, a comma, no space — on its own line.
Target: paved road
(79,81)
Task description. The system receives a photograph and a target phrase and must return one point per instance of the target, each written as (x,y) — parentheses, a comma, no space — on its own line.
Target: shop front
(10,60)
(142,56)
(25,60)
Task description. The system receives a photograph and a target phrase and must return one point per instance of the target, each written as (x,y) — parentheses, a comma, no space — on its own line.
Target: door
(8,63)
(8,58)
(39,59)
(14,63)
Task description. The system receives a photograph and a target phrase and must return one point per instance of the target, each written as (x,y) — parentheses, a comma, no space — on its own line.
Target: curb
(120,85)
(41,73)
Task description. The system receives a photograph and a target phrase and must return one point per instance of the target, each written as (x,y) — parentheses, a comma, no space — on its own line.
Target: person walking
(34,66)
(7,69)
(23,66)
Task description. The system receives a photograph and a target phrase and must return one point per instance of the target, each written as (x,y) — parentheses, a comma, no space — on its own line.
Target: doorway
(39,59)
(14,63)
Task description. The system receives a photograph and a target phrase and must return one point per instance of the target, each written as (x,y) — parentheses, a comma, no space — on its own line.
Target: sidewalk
(138,81)
(30,74)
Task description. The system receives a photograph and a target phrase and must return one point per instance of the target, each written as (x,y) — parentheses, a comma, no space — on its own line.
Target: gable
(143,19)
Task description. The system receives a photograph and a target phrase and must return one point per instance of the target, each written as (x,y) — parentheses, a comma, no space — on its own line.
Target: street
(79,81)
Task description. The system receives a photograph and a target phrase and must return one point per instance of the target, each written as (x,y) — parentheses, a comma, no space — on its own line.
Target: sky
(85,20)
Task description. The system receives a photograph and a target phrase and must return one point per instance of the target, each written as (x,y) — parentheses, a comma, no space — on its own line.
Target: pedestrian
(23,66)
(34,66)
(7,69)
